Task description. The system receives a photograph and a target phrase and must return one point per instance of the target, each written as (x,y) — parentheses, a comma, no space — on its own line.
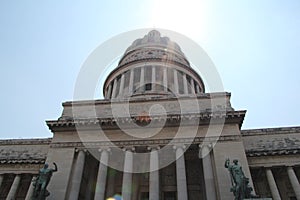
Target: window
(148,86)
(148,74)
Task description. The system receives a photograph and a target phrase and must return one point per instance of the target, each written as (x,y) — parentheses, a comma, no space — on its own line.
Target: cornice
(37,141)
(190,119)
(271,131)
(23,161)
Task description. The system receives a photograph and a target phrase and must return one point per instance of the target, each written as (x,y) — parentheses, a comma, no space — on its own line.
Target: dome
(153,38)
(152,66)
(153,46)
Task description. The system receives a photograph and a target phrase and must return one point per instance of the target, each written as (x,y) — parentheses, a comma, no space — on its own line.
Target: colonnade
(273,186)
(16,184)
(154,183)
(149,82)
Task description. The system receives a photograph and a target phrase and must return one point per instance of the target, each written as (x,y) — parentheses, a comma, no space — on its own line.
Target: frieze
(14,151)
(161,142)
(253,153)
(23,165)
(19,154)
(272,141)
(269,144)
(143,54)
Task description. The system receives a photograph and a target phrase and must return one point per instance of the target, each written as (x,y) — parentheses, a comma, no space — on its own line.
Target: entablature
(190,119)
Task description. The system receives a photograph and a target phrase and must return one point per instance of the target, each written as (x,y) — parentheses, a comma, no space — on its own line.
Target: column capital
(209,145)
(107,149)
(268,167)
(179,146)
(129,148)
(80,149)
(204,149)
(153,148)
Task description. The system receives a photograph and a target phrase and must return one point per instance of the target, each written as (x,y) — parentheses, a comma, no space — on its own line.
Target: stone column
(142,80)
(154,175)
(153,78)
(272,185)
(130,89)
(13,189)
(176,82)
(113,95)
(122,84)
(294,181)
(111,182)
(30,189)
(136,186)
(185,84)
(165,80)
(127,176)
(192,86)
(108,91)
(180,173)
(209,181)
(1,179)
(197,89)
(77,175)
(102,174)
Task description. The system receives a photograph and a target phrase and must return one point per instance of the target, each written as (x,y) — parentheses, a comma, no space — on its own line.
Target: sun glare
(186,17)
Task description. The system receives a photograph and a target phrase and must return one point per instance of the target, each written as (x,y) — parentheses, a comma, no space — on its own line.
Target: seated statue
(41,182)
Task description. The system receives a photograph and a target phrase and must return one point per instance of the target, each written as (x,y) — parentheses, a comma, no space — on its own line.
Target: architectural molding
(190,119)
(146,142)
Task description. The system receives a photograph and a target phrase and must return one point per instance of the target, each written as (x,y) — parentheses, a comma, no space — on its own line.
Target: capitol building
(156,134)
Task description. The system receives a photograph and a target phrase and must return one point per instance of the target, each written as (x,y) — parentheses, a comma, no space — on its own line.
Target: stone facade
(275,149)
(106,147)
(273,156)
(20,162)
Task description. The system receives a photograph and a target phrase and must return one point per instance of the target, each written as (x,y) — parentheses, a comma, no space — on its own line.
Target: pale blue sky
(254,44)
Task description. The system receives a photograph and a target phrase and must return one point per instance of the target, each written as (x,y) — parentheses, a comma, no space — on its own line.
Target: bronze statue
(41,182)
(240,184)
